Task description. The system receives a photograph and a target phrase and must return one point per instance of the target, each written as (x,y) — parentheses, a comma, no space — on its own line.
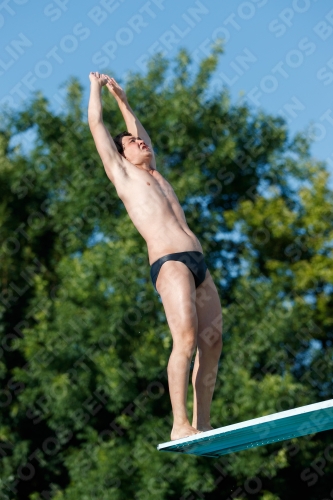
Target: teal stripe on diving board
(260,431)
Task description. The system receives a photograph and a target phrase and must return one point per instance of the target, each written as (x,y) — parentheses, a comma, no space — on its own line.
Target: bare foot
(183,431)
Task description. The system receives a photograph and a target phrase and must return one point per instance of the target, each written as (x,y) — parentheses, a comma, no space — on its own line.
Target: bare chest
(162,186)
(150,187)
(149,197)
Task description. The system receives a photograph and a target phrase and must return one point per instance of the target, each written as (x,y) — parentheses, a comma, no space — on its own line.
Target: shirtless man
(188,293)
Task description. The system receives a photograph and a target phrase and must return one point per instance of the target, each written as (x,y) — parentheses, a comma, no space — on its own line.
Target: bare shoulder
(157,175)
(127,177)
(115,169)
(122,174)
(162,180)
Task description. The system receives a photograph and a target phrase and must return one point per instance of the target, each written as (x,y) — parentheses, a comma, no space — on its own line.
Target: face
(135,149)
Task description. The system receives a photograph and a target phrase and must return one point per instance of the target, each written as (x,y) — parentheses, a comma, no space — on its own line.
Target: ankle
(181,422)
(201,423)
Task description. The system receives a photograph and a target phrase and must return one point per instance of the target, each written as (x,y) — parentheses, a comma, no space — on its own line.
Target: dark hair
(118,143)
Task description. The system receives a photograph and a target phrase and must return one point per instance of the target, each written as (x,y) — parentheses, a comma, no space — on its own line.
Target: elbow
(94,117)
(94,121)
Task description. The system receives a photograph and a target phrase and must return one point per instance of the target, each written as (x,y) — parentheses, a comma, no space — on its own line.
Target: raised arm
(105,145)
(133,124)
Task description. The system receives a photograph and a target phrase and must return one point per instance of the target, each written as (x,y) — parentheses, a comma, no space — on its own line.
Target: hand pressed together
(104,80)
(115,89)
(98,78)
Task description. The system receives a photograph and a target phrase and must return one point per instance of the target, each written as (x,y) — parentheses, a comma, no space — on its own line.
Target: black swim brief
(193,260)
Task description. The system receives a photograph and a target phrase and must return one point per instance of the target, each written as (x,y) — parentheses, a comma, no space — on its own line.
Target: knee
(215,344)
(219,344)
(211,338)
(187,345)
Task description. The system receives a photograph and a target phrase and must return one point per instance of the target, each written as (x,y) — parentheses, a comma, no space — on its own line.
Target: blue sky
(278,55)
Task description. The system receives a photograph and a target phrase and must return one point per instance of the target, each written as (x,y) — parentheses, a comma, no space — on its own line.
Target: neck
(144,166)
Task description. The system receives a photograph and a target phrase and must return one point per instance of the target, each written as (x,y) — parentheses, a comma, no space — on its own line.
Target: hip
(174,242)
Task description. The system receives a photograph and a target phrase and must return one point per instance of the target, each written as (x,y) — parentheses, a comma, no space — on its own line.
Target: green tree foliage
(84,395)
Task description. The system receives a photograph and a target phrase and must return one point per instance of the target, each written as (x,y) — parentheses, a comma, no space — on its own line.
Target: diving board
(260,431)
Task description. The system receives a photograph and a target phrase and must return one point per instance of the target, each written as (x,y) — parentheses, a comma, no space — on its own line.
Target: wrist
(122,102)
(94,84)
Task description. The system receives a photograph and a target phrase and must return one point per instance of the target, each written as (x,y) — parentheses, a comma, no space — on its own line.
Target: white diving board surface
(260,431)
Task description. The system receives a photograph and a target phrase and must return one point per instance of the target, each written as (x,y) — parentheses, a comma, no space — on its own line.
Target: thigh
(209,313)
(175,284)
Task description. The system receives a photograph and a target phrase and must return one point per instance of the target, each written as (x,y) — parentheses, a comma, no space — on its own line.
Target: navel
(148,183)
